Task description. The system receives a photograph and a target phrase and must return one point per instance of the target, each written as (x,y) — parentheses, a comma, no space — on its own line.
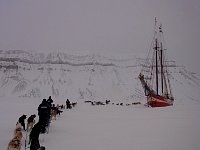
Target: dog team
(46,112)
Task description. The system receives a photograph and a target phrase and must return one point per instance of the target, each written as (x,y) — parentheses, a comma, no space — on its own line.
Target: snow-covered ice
(110,126)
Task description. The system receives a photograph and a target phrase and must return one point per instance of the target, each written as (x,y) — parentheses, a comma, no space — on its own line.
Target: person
(34,136)
(68,104)
(44,111)
(50,101)
(22,121)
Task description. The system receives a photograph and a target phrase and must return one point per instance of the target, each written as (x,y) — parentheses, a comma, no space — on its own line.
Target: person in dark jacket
(68,104)
(50,101)
(22,121)
(34,136)
(44,107)
(44,111)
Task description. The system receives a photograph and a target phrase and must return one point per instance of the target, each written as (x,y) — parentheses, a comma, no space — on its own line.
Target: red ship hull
(158,101)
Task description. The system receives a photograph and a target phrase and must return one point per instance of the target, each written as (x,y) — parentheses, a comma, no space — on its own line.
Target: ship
(154,75)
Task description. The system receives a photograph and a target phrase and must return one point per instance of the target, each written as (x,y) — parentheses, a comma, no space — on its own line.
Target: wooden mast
(156,49)
(161,65)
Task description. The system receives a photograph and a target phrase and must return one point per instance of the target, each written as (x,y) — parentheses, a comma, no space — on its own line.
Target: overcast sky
(122,28)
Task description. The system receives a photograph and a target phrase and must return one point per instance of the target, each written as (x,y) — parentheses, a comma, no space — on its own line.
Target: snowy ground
(110,127)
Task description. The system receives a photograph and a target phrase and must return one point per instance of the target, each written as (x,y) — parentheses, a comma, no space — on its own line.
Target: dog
(18,132)
(74,104)
(21,120)
(30,122)
(62,106)
(14,144)
(30,126)
(53,114)
(59,112)
(136,103)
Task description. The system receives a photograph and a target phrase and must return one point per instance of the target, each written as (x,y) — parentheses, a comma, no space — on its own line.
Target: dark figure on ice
(50,101)
(107,101)
(22,121)
(59,111)
(34,136)
(44,111)
(68,104)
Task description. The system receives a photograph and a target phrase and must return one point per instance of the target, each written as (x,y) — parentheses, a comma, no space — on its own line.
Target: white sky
(121,28)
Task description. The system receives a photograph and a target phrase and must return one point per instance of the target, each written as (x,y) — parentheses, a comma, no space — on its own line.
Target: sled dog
(14,144)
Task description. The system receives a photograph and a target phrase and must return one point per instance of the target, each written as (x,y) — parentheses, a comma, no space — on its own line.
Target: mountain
(25,74)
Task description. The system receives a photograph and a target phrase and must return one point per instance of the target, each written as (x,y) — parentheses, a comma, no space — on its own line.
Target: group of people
(46,111)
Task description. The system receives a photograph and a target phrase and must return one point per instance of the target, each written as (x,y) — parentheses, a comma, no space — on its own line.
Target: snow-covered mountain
(25,74)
